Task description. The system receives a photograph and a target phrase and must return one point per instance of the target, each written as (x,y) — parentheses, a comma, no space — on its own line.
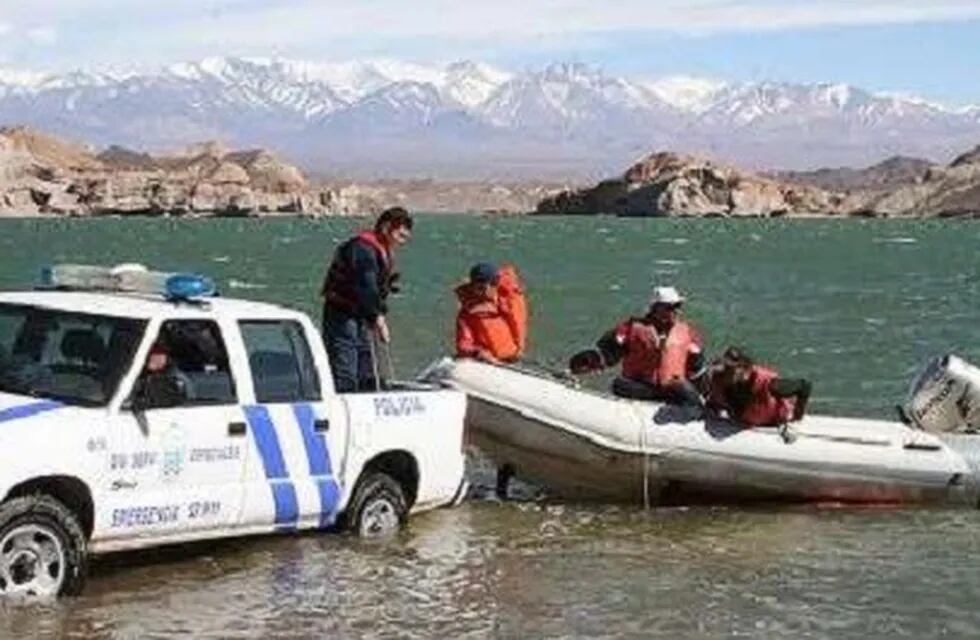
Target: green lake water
(856,306)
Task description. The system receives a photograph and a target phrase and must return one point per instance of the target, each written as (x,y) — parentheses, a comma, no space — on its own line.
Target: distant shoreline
(44,176)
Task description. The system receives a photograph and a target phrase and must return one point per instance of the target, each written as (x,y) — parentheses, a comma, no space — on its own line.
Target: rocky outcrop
(669,184)
(970,157)
(897,171)
(41,174)
(952,191)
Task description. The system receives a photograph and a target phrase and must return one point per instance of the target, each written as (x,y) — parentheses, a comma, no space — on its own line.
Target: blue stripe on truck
(28,410)
(267,443)
(318,456)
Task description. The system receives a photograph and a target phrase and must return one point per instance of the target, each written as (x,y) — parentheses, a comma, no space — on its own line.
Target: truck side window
(281,361)
(187,366)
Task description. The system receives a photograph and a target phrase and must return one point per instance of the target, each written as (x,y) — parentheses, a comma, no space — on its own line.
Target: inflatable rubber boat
(586,445)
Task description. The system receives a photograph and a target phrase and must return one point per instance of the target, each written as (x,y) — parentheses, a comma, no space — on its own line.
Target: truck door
(177,453)
(291,475)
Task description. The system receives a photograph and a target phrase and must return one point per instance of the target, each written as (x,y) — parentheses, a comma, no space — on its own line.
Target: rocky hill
(951,191)
(669,184)
(42,174)
(894,172)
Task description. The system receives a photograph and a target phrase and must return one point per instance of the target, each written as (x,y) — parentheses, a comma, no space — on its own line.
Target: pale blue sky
(925,47)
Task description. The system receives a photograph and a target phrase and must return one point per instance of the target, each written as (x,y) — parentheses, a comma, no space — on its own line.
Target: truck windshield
(75,358)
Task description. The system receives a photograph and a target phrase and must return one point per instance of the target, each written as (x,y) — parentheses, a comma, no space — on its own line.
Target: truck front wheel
(377,508)
(42,549)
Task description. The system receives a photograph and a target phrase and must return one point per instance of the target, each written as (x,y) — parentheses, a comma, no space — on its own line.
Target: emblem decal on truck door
(398,406)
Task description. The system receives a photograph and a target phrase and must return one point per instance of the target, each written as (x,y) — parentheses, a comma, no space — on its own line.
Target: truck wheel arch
(401,466)
(69,490)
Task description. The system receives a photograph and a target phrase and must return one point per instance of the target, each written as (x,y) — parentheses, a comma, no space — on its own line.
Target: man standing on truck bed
(355,290)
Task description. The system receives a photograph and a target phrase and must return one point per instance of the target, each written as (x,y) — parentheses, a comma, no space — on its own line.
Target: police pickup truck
(138,408)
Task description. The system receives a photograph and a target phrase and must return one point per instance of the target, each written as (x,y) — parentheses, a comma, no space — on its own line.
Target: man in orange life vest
(660,353)
(754,394)
(355,292)
(491,324)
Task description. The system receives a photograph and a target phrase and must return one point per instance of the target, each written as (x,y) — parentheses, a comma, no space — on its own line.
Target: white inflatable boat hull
(584,445)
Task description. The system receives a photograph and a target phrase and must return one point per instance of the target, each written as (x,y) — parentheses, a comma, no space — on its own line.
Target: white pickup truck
(138,410)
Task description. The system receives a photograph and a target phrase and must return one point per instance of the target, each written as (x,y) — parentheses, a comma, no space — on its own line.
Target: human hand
(486,356)
(381,330)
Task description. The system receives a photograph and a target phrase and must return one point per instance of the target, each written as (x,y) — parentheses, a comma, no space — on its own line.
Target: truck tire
(42,549)
(377,508)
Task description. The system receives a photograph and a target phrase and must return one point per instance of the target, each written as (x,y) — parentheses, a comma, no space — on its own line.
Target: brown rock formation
(671,184)
(40,174)
(897,171)
(943,192)
(970,157)
(47,150)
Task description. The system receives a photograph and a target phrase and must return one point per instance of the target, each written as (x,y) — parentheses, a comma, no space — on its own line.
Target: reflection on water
(537,570)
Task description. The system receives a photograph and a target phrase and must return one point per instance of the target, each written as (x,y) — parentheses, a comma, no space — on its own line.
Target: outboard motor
(945,397)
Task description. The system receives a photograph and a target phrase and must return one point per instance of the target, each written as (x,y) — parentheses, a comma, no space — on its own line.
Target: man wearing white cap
(660,353)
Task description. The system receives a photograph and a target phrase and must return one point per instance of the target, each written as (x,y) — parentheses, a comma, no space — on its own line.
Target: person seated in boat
(661,353)
(491,324)
(754,394)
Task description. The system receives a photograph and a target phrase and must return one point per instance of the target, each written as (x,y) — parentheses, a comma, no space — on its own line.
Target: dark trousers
(348,342)
(682,393)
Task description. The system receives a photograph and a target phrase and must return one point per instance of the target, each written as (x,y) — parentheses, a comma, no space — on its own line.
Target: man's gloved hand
(393,279)
(585,361)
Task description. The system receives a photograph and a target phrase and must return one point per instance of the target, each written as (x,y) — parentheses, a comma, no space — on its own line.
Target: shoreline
(44,176)
(119,215)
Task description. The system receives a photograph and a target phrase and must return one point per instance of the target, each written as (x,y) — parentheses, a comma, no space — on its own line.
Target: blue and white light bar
(128,278)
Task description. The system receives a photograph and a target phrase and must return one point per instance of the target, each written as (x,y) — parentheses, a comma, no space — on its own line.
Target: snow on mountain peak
(20,78)
(290,102)
(837,94)
(686,93)
(471,83)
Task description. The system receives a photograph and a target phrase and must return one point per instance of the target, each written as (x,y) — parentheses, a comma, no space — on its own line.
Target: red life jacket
(339,287)
(765,409)
(651,359)
(497,325)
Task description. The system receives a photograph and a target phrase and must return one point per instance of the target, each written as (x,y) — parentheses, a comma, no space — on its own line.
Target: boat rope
(374,362)
(391,364)
(646,466)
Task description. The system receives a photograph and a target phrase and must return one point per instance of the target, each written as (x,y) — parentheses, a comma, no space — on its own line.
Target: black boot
(504,473)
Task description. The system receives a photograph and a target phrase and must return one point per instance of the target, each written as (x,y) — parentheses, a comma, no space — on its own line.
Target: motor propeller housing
(945,396)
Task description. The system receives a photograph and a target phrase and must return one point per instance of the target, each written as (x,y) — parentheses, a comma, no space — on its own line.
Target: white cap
(666,295)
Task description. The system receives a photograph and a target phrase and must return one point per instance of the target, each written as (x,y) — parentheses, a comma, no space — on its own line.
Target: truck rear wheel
(377,508)
(42,549)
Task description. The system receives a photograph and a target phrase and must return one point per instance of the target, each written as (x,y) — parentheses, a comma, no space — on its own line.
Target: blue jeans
(349,348)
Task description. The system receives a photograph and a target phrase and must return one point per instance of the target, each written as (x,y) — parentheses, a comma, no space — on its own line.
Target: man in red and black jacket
(355,291)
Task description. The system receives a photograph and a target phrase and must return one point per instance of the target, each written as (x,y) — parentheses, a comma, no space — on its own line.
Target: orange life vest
(513,304)
(498,325)
(649,358)
(765,409)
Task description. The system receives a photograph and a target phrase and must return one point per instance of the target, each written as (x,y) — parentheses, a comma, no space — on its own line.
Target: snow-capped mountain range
(468,119)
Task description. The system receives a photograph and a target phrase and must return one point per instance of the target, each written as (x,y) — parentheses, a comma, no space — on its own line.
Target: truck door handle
(236,429)
(321,425)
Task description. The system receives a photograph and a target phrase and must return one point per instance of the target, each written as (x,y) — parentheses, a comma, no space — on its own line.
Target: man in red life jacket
(754,394)
(660,352)
(355,292)
(491,324)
